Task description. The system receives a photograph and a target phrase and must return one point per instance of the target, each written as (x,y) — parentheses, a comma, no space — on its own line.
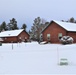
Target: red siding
(23,35)
(10,39)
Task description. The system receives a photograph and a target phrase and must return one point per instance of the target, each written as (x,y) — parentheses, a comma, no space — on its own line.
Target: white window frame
(48,36)
(60,35)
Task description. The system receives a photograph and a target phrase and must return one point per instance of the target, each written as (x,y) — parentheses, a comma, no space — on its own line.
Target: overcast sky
(25,11)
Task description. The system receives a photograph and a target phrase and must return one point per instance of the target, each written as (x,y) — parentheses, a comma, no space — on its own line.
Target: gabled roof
(11,33)
(66,25)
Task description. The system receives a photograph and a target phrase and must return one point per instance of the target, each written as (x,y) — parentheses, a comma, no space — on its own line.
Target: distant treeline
(12,25)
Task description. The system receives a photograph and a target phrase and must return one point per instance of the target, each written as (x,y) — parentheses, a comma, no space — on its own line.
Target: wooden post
(12,45)
(57,55)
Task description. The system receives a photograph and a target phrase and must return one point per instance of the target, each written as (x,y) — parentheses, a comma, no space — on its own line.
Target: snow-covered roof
(10,33)
(66,25)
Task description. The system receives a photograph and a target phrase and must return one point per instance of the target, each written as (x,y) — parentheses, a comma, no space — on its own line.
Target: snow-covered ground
(33,58)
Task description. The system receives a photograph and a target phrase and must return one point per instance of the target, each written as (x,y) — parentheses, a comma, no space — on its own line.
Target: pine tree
(12,25)
(24,26)
(3,26)
(72,20)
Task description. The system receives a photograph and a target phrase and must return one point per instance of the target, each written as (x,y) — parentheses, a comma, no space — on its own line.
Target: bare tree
(38,25)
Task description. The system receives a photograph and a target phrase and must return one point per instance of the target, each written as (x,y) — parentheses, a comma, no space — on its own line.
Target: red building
(56,29)
(14,36)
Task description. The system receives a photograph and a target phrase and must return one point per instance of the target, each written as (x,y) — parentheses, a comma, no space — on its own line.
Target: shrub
(66,40)
(63,62)
(0,43)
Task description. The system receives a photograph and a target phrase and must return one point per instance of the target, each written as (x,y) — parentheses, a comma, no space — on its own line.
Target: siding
(23,35)
(10,39)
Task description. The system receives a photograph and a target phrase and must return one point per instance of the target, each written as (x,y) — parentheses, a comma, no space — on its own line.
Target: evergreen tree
(12,25)
(72,20)
(3,26)
(0,28)
(36,28)
(24,26)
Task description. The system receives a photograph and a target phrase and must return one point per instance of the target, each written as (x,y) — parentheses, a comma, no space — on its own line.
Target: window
(60,35)
(41,37)
(19,37)
(25,37)
(48,36)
